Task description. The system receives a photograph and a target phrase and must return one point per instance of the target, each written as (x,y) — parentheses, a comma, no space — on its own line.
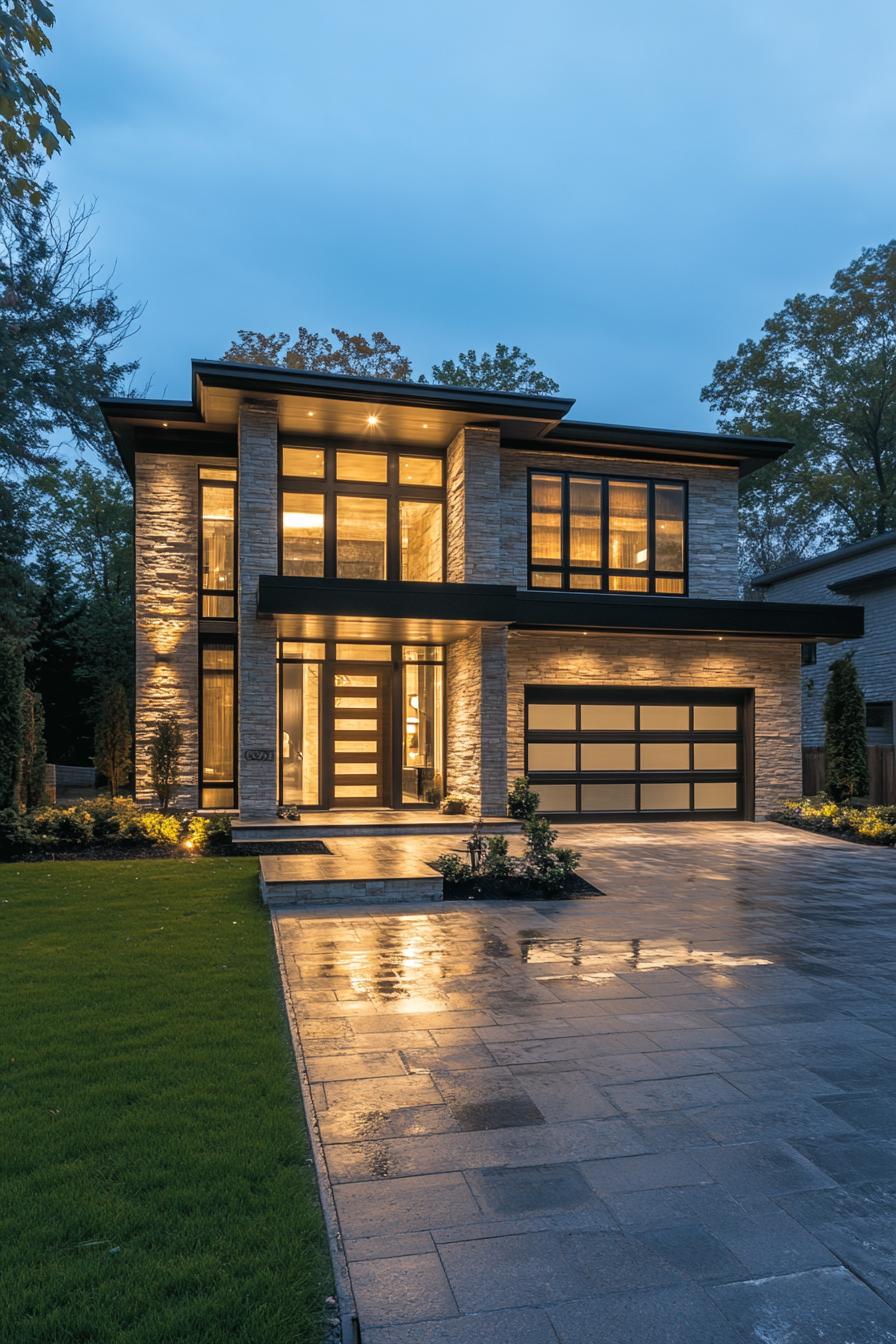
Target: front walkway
(666,1114)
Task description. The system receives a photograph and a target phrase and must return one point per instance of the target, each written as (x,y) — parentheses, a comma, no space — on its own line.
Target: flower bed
(870,825)
(113,827)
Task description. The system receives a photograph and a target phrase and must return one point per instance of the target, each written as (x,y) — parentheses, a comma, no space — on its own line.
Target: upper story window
(217,515)
(599,533)
(359,513)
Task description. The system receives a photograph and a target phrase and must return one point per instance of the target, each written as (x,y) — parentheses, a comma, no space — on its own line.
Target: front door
(357,710)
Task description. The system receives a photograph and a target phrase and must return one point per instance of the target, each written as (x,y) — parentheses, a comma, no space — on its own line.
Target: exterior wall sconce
(163,656)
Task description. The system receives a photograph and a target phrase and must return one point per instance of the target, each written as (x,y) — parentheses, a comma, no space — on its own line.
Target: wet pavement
(667,1114)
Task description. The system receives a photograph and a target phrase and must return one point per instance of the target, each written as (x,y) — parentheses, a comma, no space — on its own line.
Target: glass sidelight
(423,716)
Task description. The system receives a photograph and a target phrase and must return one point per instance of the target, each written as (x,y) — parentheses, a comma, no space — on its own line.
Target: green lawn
(155,1183)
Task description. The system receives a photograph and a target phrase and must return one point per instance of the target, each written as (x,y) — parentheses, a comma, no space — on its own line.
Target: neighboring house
(360,593)
(863,575)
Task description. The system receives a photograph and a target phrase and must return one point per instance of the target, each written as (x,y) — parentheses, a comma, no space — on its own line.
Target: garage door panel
(631,753)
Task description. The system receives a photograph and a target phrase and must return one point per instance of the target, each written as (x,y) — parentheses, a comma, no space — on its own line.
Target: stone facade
(770,667)
(712,515)
(477,711)
(166,510)
(257,658)
(472,486)
(875,654)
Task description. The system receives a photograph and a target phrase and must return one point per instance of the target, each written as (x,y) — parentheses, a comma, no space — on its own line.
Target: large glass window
(423,732)
(593,533)
(355,513)
(361,537)
(300,732)
(218,754)
(303,534)
(217,506)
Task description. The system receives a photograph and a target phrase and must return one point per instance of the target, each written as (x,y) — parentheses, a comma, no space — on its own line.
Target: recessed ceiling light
(310,412)
(373,419)
(164,424)
(425,425)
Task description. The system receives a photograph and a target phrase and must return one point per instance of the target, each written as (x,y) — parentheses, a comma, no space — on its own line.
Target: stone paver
(663,1114)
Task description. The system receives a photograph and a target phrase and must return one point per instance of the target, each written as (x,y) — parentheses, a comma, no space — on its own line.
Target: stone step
(335,825)
(377,875)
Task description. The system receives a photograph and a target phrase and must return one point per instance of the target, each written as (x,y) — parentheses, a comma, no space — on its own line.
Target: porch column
(477,719)
(257,643)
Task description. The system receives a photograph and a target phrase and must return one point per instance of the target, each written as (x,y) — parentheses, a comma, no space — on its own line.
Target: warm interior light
(311,521)
(373,419)
(641,557)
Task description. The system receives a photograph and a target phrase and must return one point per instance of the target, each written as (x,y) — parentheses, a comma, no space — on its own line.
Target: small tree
(34,751)
(845,742)
(164,759)
(112,742)
(12,684)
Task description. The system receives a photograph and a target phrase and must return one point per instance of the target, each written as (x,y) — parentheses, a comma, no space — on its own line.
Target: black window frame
(232,484)
(390,490)
(218,641)
(604,570)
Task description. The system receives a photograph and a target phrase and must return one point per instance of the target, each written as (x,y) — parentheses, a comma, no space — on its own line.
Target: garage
(602,752)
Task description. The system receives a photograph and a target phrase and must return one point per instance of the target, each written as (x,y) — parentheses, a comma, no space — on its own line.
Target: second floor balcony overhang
(311,609)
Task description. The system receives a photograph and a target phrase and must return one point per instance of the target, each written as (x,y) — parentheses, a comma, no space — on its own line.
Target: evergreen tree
(164,759)
(845,742)
(53,659)
(113,740)
(12,684)
(34,751)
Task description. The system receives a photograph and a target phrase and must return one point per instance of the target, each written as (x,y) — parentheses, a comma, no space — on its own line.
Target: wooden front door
(357,714)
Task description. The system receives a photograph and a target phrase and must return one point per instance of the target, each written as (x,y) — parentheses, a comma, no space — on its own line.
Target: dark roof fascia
(866,583)
(341,387)
(828,558)
(282,595)
(748,452)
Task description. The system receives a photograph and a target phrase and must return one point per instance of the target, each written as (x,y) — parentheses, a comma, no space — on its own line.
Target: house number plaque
(258,754)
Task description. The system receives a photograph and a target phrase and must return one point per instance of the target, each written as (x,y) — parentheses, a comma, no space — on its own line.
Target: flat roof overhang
(443,612)
(375,411)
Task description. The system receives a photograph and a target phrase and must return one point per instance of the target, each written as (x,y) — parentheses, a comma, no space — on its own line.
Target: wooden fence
(881,772)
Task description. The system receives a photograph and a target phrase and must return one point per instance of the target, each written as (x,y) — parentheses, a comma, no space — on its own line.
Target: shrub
(16,834)
(845,740)
(218,832)
(456,804)
(550,867)
(522,800)
(496,861)
(452,868)
(112,741)
(12,683)
(161,828)
(34,751)
(875,825)
(164,759)
(68,827)
(116,821)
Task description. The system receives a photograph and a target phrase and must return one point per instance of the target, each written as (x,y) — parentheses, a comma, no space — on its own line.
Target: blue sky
(624,189)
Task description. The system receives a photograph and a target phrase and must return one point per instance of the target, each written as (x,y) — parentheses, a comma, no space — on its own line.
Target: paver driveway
(665,1114)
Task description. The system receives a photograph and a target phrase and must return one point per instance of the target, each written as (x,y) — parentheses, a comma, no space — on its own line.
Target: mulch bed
(517,889)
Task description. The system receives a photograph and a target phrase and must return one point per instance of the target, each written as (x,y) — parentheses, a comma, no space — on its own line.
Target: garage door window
(602,753)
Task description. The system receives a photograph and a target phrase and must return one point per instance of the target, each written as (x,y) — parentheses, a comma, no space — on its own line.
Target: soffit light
(373,420)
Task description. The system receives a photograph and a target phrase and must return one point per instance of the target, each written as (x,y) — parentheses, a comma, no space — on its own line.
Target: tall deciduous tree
(845,737)
(509,369)
(31,121)
(823,373)
(373,356)
(61,325)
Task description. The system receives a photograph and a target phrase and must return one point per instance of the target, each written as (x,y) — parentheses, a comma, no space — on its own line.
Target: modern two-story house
(363,594)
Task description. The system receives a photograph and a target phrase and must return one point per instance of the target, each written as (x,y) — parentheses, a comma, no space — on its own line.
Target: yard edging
(344,1295)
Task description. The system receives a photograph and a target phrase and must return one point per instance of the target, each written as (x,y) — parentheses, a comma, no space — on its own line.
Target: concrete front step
(324,825)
